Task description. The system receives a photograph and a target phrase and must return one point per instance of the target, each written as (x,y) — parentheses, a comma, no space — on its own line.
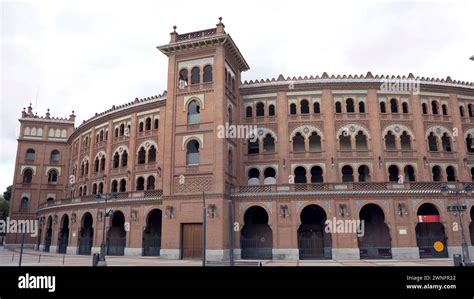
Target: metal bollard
(13,257)
(39,258)
(64,256)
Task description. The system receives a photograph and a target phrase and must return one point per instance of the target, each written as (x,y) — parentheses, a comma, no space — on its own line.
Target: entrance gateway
(191,240)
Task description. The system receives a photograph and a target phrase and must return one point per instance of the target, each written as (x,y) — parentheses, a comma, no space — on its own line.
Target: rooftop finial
(220,20)
(220,26)
(174,28)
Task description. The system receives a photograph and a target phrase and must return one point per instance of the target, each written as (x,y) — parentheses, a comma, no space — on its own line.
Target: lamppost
(457,208)
(103,245)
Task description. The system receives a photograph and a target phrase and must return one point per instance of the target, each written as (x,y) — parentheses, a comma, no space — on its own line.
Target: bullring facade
(326,148)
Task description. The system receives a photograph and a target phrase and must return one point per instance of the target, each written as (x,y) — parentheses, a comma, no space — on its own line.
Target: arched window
(382,107)
(207,73)
(434,107)
(269,175)
(314,142)
(55,156)
(94,188)
(444,108)
(27,176)
(436,171)
(150,183)
(84,191)
(140,127)
(461,111)
(123,185)
(317,174)
(361,141)
(102,163)
(52,176)
(124,159)
(183,77)
(469,144)
(192,153)
(364,173)
(347,174)
(195,75)
(470,110)
(338,107)
(252,146)
(432,142)
(156,123)
(424,108)
(405,107)
(194,112)
(96,164)
(141,155)
(152,154)
(260,109)
(393,173)
(229,115)
(248,111)
(148,124)
(122,129)
(271,110)
(350,105)
(116,161)
(30,154)
(292,108)
(253,177)
(300,175)
(390,142)
(316,108)
(117,132)
(24,203)
(409,173)
(394,106)
(450,174)
(268,144)
(230,162)
(140,184)
(361,107)
(446,142)
(114,187)
(345,142)
(304,107)
(101,188)
(101,135)
(298,143)
(405,141)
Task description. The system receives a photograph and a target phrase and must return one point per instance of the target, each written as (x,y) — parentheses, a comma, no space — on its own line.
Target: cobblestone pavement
(9,257)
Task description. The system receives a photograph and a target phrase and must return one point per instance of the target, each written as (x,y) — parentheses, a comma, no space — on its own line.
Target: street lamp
(458,209)
(107,213)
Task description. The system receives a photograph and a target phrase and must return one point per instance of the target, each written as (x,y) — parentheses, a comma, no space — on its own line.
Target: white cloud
(88,55)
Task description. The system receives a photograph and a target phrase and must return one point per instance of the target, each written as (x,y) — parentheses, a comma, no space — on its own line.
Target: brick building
(332,148)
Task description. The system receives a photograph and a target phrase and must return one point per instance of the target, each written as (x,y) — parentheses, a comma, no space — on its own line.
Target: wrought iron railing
(133,195)
(346,186)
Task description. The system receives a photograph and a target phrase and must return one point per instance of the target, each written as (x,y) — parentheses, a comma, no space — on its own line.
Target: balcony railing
(133,195)
(345,186)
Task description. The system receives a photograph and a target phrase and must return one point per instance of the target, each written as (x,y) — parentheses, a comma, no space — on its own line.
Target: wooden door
(191,240)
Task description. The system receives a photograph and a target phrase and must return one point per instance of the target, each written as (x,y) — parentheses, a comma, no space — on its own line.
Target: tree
(4,207)
(8,193)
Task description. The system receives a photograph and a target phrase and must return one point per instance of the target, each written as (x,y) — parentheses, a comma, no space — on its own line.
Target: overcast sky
(89,55)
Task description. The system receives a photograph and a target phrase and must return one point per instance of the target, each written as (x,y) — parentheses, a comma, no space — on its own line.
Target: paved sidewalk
(30,257)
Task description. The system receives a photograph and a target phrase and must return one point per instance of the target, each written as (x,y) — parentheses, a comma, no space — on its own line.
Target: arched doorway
(375,242)
(313,241)
(256,241)
(152,234)
(63,238)
(430,230)
(86,235)
(49,234)
(116,236)
(471,226)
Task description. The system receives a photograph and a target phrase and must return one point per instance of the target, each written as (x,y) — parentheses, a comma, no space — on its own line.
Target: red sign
(428,218)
